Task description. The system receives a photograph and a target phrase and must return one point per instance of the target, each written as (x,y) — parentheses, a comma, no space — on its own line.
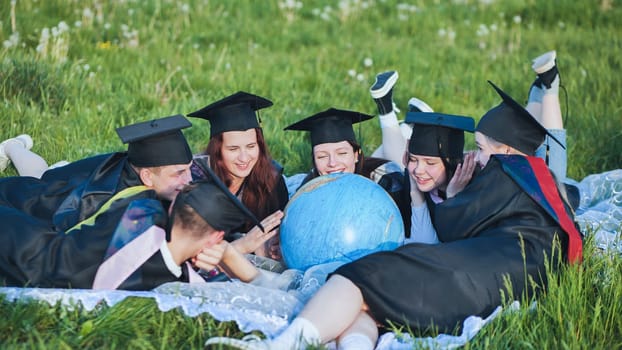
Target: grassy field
(71,71)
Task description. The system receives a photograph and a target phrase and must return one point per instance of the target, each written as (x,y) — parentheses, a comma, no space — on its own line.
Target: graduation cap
(213,201)
(438,134)
(512,125)
(233,113)
(331,125)
(157,142)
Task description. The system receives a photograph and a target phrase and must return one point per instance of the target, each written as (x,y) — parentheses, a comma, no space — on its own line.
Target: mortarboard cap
(438,134)
(233,113)
(331,125)
(213,201)
(512,125)
(157,142)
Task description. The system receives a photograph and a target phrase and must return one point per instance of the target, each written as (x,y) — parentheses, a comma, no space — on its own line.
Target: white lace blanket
(270,304)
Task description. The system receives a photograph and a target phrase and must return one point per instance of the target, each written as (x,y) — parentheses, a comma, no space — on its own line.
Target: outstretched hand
(462,176)
(255,238)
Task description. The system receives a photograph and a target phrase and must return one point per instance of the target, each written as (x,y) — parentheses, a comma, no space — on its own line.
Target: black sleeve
(465,215)
(281,192)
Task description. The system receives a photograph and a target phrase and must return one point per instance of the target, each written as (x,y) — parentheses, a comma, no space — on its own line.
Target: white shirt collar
(168,260)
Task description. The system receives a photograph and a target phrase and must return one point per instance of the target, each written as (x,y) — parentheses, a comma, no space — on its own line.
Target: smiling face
(334,157)
(166,180)
(427,172)
(239,153)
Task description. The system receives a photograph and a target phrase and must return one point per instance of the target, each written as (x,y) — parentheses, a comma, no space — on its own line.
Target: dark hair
(358,167)
(450,166)
(185,216)
(258,195)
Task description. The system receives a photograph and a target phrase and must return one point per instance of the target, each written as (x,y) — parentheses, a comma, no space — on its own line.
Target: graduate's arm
(236,265)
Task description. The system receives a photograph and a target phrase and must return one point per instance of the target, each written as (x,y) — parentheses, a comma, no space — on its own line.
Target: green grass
(132,60)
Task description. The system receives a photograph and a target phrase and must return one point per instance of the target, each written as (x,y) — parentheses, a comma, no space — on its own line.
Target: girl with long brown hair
(238,154)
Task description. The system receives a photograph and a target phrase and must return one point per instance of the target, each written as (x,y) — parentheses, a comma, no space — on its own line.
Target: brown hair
(259,185)
(185,216)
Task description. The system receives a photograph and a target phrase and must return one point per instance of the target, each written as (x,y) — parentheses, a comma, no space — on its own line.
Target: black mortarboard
(437,134)
(512,125)
(332,125)
(233,113)
(216,205)
(157,142)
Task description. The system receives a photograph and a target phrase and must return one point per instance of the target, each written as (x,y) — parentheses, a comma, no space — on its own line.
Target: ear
(145,177)
(214,237)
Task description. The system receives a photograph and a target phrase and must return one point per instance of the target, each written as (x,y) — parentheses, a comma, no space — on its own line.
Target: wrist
(240,244)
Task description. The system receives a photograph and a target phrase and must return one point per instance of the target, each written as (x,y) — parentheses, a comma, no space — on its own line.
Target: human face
(334,157)
(485,149)
(239,153)
(167,180)
(427,172)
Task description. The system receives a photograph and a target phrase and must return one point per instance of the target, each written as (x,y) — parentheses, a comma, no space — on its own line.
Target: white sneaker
(544,62)
(58,164)
(4,160)
(23,140)
(249,342)
(417,105)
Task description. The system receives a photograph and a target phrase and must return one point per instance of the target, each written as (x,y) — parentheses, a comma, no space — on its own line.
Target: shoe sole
(231,343)
(544,62)
(386,86)
(420,105)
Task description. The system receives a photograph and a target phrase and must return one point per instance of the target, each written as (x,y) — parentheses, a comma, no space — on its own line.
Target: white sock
(389,120)
(300,332)
(554,87)
(355,341)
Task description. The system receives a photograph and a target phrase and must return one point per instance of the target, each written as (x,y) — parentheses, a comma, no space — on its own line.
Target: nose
(243,155)
(332,161)
(419,168)
(186,177)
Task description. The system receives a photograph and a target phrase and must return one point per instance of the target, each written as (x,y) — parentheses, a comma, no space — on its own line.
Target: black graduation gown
(67,195)
(44,257)
(34,253)
(481,229)
(152,274)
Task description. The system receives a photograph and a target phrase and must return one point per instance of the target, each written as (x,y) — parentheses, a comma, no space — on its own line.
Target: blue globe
(338,217)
